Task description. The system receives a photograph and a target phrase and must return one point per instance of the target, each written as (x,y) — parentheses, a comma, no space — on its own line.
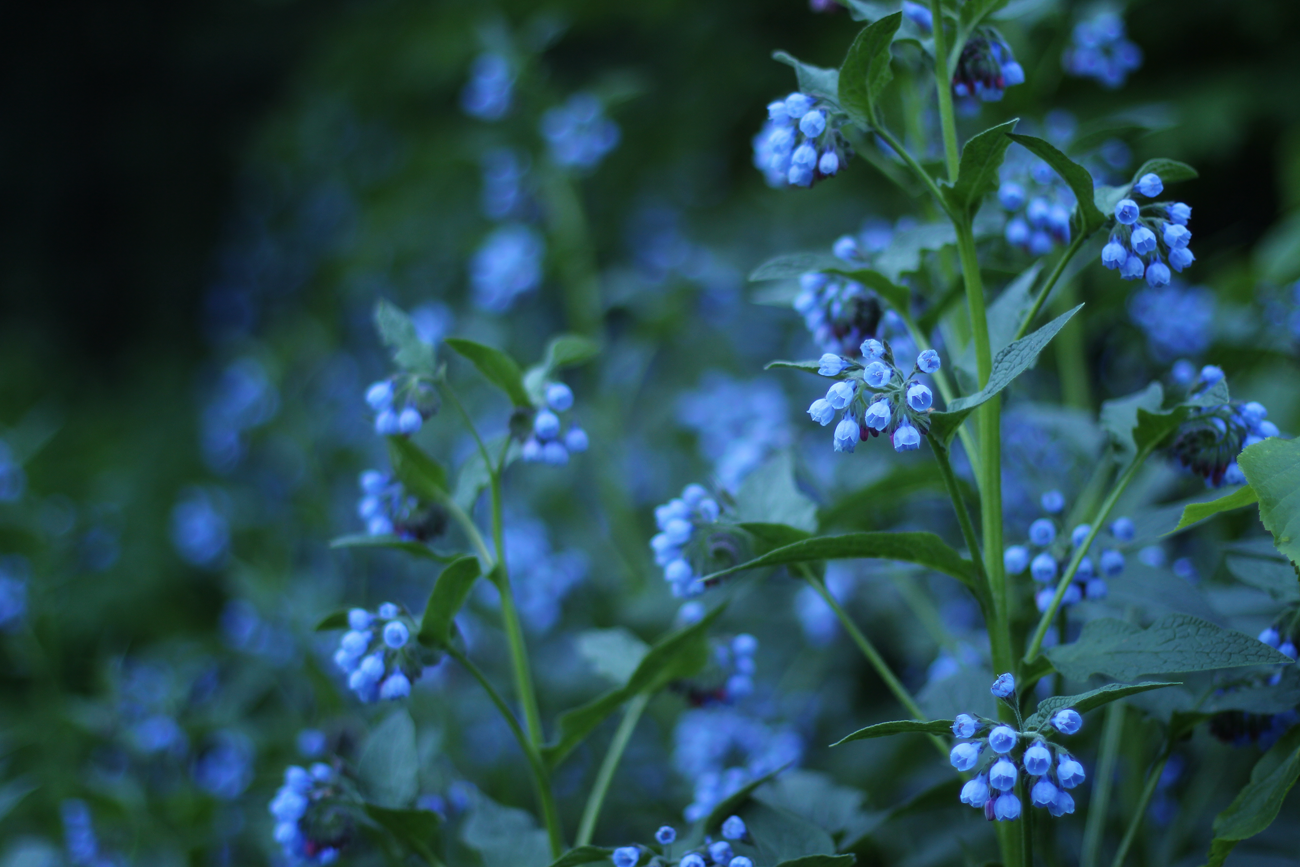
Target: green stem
(1153,779)
(596,799)
(1036,644)
(1050,284)
(943,83)
(466,523)
(1105,776)
(450,393)
(964,521)
(541,777)
(922,175)
(869,651)
(1026,823)
(1071,365)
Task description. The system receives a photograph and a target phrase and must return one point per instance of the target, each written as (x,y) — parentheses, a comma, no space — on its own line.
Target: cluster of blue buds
(386,507)
(732,677)
(1177,320)
(720,749)
(1038,200)
(578,132)
(1054,553)
(1241,728)
(1145,236)
(1284,643)
(506,265)
(710,854)
(1051,769)
(801,142)
(1099,50)
(308,831)
(874,397)
(986,68)
(401,404)
(1208,442)
(488,93)
(548,442)
(378,655)
(678,521)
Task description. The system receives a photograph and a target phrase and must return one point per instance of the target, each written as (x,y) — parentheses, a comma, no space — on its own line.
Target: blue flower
(831,365)
(1038,760)
(1064,804)
(877,415)
(928,361)
(559,397)
(506,266)
(1127,211)
(666,835)
(627,856)
(919,397)
(964,726)
(1114,254)
(1069,772)
(841,393)
(1042,532)
(1111,562)
(906,438)
(488,94)
(1177,236)
(964,756)
(1015,559)
(1178,213)
(918,15)
(1150,185)
(1043,568)
(1123,529)
(1067,721)
(1003,686)
(1044,793)
(1099,50)
(1006,807)
(1143,240)
(1002,776)
(1158,274)
(1053,502)
(1180,258)
(579,133)
(733,828)
(1133,267)
(847,435)
(1079,535)
(396,634)
(877,374)
(1002,739)
(975,792)
(720,852)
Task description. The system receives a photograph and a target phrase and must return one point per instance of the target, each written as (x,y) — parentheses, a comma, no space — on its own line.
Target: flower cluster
(540,576)
(1177,320)
(901,405)
(1283,643)
(488,93)
(716,853)
(401,404)
(506,265)
(800,143)
(986,68)
(1038,200)
(1054,552)
(389,510)
(378,655)
(1099,50)
(729,679)
(578,132)
(678,520)
(1145,236)
(721,749)
(1051,769)
(1208,442)
(739,423)
(309,827)
(548,443)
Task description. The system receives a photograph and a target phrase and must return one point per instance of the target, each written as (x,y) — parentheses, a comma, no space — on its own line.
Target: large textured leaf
(679,654)
(497,368)
(865,72)
(1174,643)
(813,80)
(1276,577)
(1089,216)
(1273,469)
(818,798)
(1196,512)
(416,470)
(449,594)
(398,333)
(977,174)
(1009,363)
(1090,700)
(1170,171)
(389,764)
(899,727)
(924,549)
(1257,805)
(769,495)
(504,836)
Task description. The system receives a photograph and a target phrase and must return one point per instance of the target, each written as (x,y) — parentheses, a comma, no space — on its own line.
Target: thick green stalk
(1071,365)
(1139,812)
(943,83)
(613,755)
(1101,786)
(1036,644)
(541,778)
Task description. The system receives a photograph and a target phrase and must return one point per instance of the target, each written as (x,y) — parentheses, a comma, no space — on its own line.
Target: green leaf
(821,861)
(583,855)
(1170,171)
(973,13)
(769,536)
(389,764)
(906,250)
(1090,218)
(614,653)
(1257,805)
(497,367)
(398,333)
(813,80)
(1278,578)
(865,72)
(977,173)
(1174,643)
(769,495)
(392,543)
(504,836)
(569,350)
(419,473)
(1010,362)
(805,366)
(818,798)
(780,836)
(1119,416)
(1090,700)
(1004,317)
(1105,198)
(899,727)
(1195,512)
(924,549)
(449,594)
(679,654)
(418,829)
(13,792)
(337,620)
(865,506)
(1273,469)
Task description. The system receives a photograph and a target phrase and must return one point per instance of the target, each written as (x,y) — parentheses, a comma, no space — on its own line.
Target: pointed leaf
(389,764)
(337,620)
(449,594)
(1090,700)
(1174,643)
(973,12)
(1273,469)
(1170,171)
(899,727)
(806,366)
(1196,512)
(679,654)
(569,350)
(497,367)
(392,543)
(779,836)
(769,536)
(924,549)
(769,495)
(1079,179)
(865,72)
(977,173)
(1257,805)
(1009,363)
(583,855)
(399,334)
(419,473)
(813,80)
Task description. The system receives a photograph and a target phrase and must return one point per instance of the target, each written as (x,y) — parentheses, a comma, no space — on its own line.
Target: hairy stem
(613,755)
(1105,776)
(943,83)
(1139,812)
